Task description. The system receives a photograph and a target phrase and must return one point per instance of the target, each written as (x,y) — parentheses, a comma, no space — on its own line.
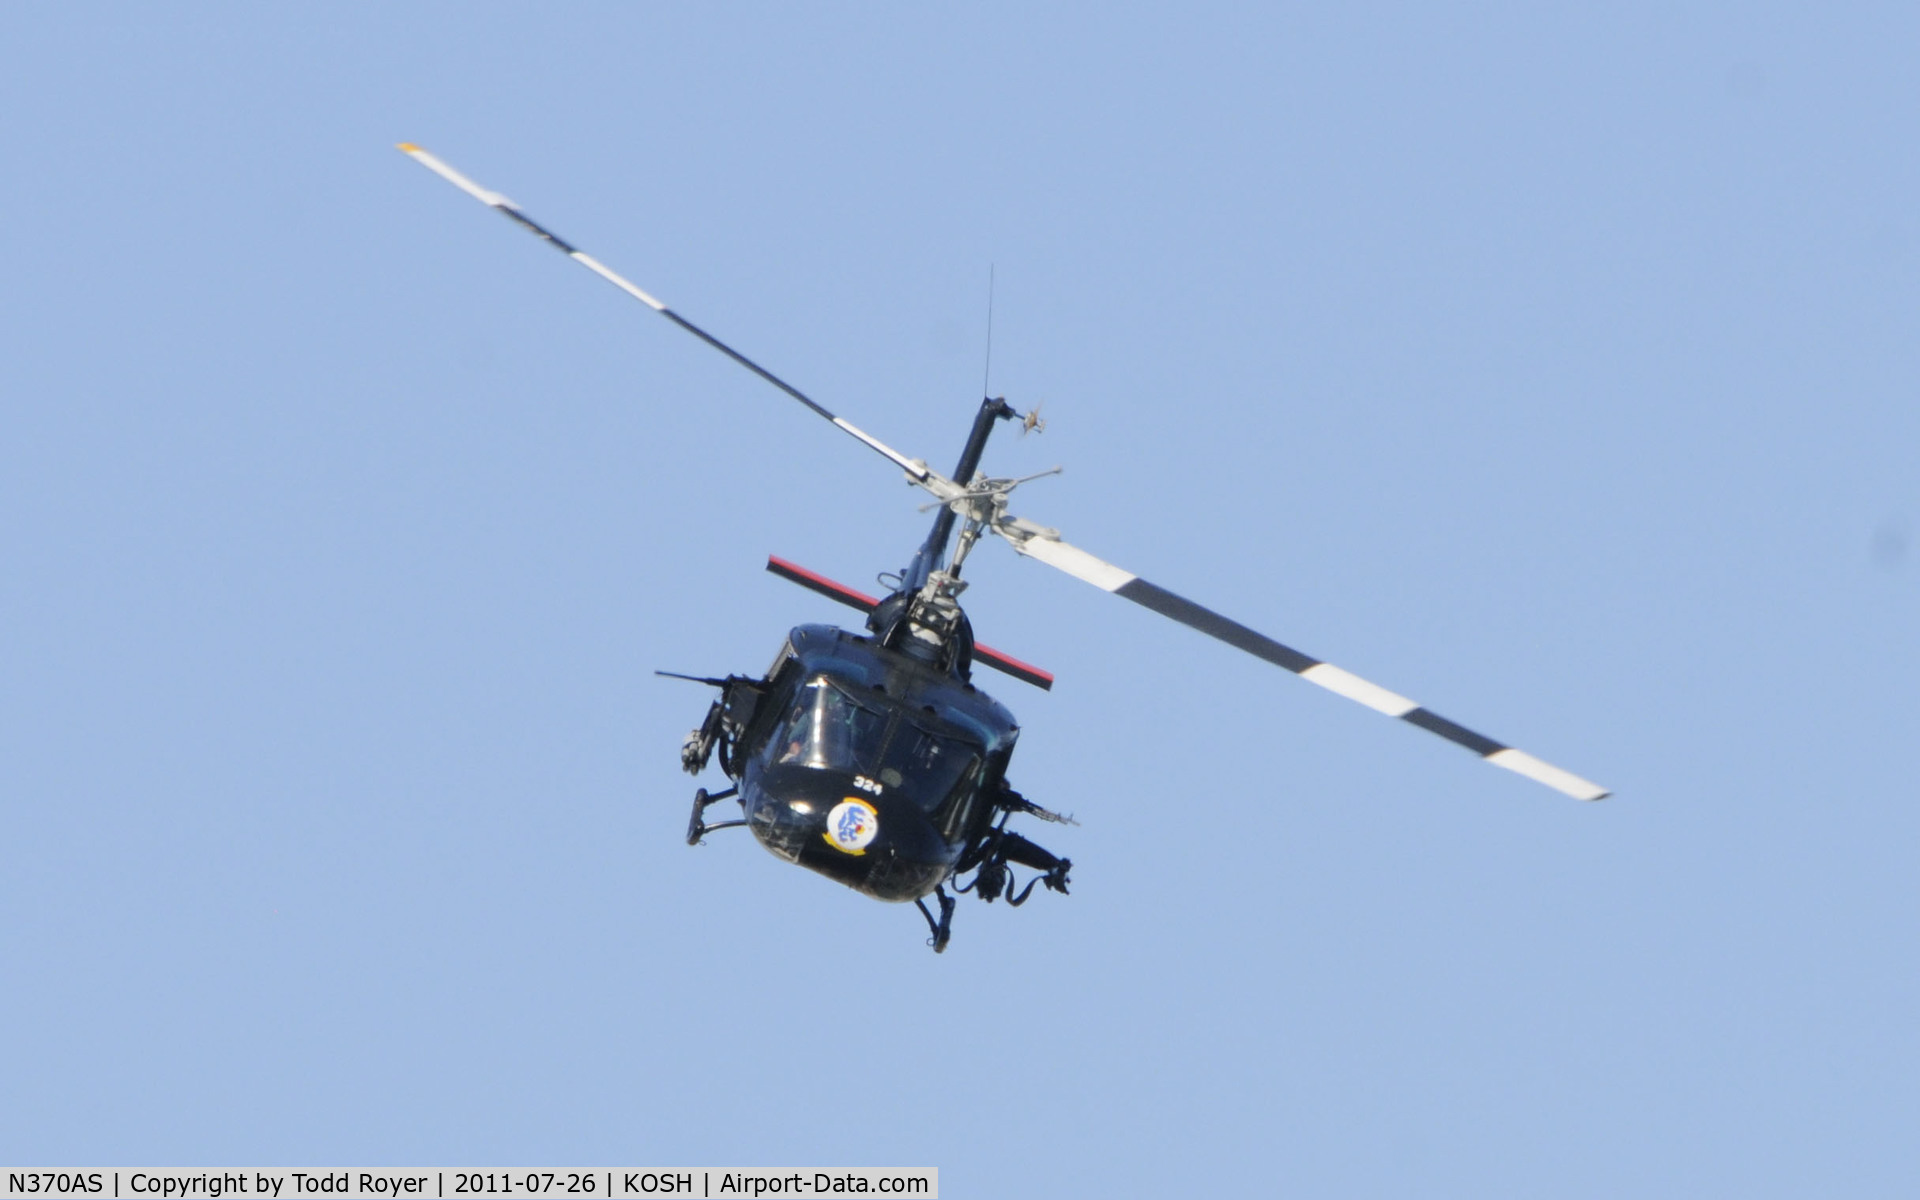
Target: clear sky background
(1558,371)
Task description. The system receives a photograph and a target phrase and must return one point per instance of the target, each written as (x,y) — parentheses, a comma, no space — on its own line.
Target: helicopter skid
(697,827)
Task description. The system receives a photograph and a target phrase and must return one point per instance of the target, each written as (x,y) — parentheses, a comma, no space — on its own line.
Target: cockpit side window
(955,809)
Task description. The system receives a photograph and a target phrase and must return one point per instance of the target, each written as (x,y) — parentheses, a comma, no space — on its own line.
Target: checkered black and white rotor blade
(1044,544)
(915,468)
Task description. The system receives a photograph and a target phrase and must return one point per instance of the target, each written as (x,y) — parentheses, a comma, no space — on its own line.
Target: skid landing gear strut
(943,928)
(697,827)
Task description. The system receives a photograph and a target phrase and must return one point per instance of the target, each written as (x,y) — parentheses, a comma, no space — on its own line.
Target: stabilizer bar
(854,598)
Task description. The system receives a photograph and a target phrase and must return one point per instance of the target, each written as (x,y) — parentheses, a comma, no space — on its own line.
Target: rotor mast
(927,561)
(923,618)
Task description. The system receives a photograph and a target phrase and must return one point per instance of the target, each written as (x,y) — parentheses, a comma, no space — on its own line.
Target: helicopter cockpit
(872,769)
(828,727)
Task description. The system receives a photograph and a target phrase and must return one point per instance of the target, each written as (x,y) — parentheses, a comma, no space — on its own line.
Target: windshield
(827,728)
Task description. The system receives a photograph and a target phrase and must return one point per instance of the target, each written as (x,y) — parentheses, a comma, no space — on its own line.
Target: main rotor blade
(916,469)
(1044,544)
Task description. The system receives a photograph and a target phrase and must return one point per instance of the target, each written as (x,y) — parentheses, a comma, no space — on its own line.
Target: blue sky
(1557,370)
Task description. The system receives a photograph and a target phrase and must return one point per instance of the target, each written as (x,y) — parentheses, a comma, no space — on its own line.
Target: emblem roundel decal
(851,826)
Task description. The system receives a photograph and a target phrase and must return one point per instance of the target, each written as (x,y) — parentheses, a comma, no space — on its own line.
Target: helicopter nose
(882,845)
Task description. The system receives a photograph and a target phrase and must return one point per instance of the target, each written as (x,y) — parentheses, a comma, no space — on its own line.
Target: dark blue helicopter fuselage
(868,766)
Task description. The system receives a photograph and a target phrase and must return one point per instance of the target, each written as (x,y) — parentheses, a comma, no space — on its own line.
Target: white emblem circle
(852,825)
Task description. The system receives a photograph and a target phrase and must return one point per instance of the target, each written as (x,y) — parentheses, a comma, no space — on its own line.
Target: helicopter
(872,758)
